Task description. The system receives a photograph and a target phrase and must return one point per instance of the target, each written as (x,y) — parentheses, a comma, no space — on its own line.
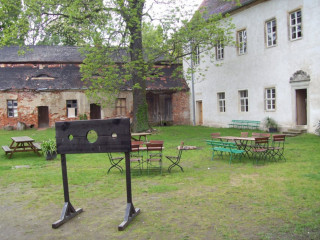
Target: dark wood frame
(113,136)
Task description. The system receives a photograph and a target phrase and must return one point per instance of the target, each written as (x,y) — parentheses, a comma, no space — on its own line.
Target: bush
(49,146)
(318,128)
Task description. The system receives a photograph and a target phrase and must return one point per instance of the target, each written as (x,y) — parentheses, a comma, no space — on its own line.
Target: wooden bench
(37,146)
(7,149)
(229,147)
(245,124)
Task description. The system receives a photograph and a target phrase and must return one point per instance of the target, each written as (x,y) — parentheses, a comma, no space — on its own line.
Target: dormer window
(42,77)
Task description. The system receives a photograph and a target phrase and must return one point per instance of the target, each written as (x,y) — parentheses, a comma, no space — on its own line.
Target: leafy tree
(121,40)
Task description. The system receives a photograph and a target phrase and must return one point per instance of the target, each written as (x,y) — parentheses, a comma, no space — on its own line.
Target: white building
(274,72)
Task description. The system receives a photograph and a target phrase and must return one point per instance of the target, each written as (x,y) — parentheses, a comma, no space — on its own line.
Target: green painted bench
(229,147)
(250,124)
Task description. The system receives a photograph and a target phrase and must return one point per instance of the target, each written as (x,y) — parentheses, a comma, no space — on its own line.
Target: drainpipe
(192,89)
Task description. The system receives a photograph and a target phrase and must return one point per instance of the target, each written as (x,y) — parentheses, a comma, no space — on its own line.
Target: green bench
(250,124)
(229,147)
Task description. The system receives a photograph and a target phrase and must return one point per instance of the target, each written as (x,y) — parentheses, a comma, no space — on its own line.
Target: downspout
(192,88)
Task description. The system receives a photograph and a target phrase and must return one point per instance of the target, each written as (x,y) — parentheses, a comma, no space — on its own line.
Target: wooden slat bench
(229,147)
(250,124)
(37,146)
(7,149)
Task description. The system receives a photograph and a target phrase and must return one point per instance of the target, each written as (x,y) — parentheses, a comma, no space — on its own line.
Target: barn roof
(41,54)
(60,71)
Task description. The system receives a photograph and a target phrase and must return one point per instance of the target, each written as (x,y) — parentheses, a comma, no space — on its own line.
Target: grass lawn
(209,200)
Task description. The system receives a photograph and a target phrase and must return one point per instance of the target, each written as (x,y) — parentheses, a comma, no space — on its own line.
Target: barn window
(72,109)
(121,106)
(12,106)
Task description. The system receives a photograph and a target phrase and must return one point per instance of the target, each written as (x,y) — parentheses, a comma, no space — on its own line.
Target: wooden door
(200,114)
(95,111)
(43,116)
(301,106)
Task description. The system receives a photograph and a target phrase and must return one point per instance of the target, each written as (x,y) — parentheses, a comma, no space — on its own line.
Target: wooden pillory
(113,135)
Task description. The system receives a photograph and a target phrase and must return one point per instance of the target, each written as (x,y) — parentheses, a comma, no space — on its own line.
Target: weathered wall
(181,108)
(29,101)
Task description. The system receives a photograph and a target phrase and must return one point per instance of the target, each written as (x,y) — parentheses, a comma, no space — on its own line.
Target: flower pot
(51,156)
(273,130)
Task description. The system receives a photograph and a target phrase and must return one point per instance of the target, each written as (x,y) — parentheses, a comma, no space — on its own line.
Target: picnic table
(138,136)
(243,143)
(22,144)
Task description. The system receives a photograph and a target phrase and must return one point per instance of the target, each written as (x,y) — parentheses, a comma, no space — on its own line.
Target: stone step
(294,132)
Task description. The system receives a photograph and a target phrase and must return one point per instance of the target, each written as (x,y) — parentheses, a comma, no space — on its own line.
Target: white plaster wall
(263,67)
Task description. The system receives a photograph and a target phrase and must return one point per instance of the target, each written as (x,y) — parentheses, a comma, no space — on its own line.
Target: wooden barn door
(43,116)
(95,111)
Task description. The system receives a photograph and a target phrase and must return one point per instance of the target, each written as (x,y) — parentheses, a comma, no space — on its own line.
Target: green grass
(210,200)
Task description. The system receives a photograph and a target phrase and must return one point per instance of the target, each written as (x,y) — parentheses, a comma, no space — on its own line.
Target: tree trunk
(140,108)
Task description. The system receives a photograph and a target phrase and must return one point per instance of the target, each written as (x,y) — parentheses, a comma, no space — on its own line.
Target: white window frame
(242,41)
(295,25)
(219,51)
(271,32)
(270,99)
(243,101)
(221,102)
(72,108)
(196,59)
(12,108)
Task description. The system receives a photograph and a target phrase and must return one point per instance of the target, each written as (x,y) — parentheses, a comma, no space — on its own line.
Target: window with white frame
(72,108)
(222,102)
(219,51)
(295,25)
(271,33)
(244,101)
(242,41)
(12,106)
(270,99)
(196,57)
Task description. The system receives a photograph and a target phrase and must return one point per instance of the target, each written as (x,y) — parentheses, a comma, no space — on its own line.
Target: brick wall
(29,101)
(181,108)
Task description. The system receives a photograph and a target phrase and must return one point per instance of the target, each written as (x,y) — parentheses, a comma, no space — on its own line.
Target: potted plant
(318,128)
(49,148)
(271,124)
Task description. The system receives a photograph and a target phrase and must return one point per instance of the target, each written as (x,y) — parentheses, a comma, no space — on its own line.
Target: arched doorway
(300,83)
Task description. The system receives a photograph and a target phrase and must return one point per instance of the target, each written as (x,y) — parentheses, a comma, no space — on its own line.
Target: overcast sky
(162,7)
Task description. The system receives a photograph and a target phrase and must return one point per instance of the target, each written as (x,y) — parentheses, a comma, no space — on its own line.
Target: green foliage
(120,39)
(49,146)
(270,123)
(142,119)
(83,117)
(318,128)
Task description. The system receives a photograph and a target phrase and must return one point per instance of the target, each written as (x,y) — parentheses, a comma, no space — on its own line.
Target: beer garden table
(22,144)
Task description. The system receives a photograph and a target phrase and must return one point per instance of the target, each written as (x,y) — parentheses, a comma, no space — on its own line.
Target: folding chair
(115,162)
(254,134)
(215,135)
(260,149)
(268,135)
(277,148)
(135,156)
(154,154)
(244,134)
(175,160)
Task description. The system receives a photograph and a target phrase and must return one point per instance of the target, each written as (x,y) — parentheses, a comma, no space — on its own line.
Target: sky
(191,5)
